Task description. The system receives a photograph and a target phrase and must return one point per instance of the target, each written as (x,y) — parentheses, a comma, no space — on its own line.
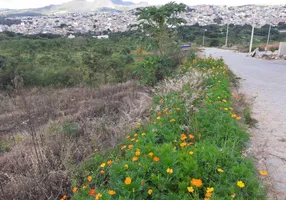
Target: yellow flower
(123,147)
(137,153)
(220,170)
(111,192)
(238,118)
(143,134)
(128,181)
(158,117)
(102,165)
(240,184)
(218,97)
(150,154)
(233,195)
(99,195)
(84,187)
(178,108)
(226,109)
(190,189)
(134,158)
(196,182)
(191,153)
(169,171)
(74,189)
(150,191)
(109,162)
(89,178)
(233,115)
(210,190)
(224,101)
(126,166)
(172,120)
(183,144)
(263,173)
(135,135)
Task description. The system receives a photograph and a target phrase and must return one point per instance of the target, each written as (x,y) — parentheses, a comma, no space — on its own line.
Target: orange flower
(64,197)
(156,159)
(109,162)
(196,182)
(128,181)
(111,192)
(208,194)
(102,172)
(238,118)
(183,144)
(178,108)
(191,136)
(134,158)
(92,192)
(89,178)
(172,120)
(159,113)
(74,189)
(127,137)
(130,146)
(183,137)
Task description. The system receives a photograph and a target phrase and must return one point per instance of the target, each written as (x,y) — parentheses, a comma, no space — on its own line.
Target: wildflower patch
(190,149)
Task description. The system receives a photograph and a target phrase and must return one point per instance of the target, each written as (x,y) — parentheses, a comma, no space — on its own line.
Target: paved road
(266,81)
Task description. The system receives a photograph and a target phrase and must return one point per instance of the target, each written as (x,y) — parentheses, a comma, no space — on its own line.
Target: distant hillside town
(107,22)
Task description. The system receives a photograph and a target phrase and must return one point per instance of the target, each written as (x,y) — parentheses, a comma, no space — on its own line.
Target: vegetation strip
(191,148)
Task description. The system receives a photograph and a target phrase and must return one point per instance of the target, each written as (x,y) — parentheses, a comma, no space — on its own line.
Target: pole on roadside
(204,37)
(226,39)
(251,40)
(266,49)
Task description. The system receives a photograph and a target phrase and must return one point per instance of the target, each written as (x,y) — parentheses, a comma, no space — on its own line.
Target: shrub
(154,69)
(214,43)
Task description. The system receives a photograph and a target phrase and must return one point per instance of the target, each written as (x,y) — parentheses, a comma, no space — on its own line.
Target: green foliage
(179,145)
(154,69)
(65,62)
(159,24)
(214,43)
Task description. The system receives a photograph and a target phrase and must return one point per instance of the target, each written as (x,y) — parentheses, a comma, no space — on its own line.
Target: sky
(17,4)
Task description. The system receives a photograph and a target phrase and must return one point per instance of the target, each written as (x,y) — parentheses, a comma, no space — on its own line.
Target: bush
(214,43)
(154,69)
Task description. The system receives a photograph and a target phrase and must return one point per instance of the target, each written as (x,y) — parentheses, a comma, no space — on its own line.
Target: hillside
(80,6)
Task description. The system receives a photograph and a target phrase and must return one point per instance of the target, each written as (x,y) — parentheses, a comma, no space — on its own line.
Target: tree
(99,60)
(160,24)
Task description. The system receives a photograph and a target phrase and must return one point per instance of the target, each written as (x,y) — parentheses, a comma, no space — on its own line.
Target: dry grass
(69,125)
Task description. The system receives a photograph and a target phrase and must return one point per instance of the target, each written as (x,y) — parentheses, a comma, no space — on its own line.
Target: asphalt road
(265,82)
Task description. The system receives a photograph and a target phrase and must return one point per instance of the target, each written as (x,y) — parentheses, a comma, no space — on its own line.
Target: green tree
(99,61)
(160,24)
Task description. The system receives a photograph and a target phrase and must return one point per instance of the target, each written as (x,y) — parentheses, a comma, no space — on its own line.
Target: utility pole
(251,40)
(268,38)
(204,37)
(226,39)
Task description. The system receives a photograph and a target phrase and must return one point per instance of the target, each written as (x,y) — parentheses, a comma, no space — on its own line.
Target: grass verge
(190,149)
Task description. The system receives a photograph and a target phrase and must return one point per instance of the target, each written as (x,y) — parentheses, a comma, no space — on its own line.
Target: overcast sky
(40,3)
